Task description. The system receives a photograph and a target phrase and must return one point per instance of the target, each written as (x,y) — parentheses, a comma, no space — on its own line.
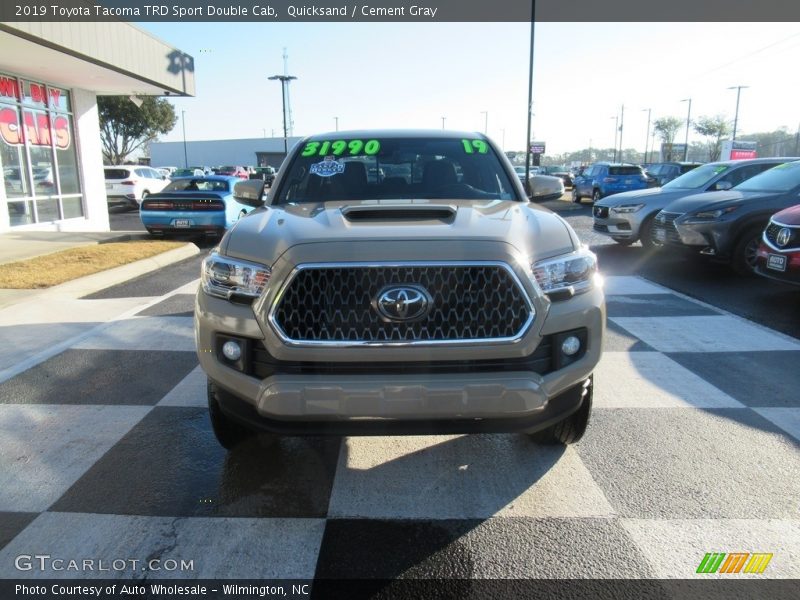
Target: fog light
(569,346)
(233,352)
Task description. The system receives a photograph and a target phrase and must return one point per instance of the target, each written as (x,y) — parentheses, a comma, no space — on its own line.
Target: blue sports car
(193,205)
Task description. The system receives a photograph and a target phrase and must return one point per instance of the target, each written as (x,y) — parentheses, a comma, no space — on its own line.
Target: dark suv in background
(661,173)
(603,179)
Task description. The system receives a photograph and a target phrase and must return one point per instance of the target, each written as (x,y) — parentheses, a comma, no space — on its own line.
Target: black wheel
(746,251)
(575,196)
(623,241)
(228,433)
(596,196)
(646,234)
(571,429)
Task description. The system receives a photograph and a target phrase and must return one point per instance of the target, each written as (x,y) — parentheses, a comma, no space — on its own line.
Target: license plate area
(181,223)
(660,235)
(776,262)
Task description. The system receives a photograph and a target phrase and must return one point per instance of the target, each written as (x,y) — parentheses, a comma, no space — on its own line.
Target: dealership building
(51,175)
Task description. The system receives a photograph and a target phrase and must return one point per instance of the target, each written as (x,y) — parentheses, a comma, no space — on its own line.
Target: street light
(738,89)
(616,133)
(647,135)
(485,113)
(284,79)
(443,118)
(183,125)
(337,122)
(688,119)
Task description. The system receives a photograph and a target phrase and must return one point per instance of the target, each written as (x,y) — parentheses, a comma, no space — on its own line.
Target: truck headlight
(574,273)
(626,208)
(225,277)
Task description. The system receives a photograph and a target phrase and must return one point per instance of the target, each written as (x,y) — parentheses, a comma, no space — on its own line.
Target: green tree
(125,127)
(713,129)
(666,128)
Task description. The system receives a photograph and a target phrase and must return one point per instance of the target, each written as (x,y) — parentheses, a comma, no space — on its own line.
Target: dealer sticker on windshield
(340,147)
(327,168)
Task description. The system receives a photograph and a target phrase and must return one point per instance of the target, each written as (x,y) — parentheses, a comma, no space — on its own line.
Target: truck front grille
(336,304)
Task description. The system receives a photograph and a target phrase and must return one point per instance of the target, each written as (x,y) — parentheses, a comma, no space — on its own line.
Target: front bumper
(492,401)
(791,272)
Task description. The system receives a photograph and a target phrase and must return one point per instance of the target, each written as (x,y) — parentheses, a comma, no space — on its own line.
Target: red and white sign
(38,130)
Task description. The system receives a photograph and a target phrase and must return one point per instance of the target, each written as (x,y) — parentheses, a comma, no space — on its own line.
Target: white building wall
(214,153)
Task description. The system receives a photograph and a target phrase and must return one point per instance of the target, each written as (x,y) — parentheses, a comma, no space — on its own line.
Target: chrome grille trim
(772,230)
(272,319)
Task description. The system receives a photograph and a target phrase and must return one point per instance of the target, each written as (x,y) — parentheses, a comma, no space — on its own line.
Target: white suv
(129,185)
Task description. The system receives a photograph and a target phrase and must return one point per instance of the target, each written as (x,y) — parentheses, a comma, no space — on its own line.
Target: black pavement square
(655,305)
(11,523)
(113,377)
(177,305)
(756,379)
(170,464)
(496,548)
(685,463)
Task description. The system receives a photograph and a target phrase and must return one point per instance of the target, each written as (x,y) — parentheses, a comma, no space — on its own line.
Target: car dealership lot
(106,451)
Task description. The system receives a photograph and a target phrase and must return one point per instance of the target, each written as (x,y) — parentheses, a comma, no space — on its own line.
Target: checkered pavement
(106,451)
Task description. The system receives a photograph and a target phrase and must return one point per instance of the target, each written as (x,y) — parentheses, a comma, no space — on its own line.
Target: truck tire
(571,429)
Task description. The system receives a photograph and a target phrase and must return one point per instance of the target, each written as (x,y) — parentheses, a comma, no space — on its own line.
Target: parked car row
(724,210)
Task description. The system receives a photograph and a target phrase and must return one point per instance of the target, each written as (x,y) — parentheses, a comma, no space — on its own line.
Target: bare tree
(713,129)
(666,128)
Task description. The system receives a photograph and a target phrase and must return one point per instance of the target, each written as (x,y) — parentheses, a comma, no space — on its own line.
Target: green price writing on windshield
(473,146)
(339,147)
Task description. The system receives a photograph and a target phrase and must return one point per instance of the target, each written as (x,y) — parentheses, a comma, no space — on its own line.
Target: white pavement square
(44,449)
(461,477)
(191,391)
(625,285)
(220,548)
(704,334)
(787,419)
(143,333)
(652,380)
(675,547)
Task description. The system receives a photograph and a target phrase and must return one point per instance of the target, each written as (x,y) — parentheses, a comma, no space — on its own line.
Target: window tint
(117,173)
(778,179)
(192,185)
(625,171)
(655,169)
(397,168)
(697,178)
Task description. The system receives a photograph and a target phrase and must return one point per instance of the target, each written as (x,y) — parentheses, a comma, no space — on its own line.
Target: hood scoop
(400,212)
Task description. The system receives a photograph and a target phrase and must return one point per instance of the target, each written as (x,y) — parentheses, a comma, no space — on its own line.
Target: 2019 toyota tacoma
(435,299)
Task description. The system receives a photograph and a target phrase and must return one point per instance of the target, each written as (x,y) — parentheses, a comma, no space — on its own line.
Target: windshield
(197,185)
(117,173)
(777,179)
(394,168)
(697,178)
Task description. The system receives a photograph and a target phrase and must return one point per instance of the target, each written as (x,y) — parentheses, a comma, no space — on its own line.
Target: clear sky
(411,75)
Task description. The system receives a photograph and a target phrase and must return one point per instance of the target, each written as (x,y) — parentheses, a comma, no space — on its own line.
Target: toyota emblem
(402,303)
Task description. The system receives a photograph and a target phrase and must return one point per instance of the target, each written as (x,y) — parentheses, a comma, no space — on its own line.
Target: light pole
(738,89)
(688,119)
(621,125)
(503,145)
(485,114)
(337,122)
(528,190)
(443,118)
(185,154)
(284,79)
(647,135)
(616,133)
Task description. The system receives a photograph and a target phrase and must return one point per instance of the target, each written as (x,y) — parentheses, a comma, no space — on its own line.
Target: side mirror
(721,186)
(249,192)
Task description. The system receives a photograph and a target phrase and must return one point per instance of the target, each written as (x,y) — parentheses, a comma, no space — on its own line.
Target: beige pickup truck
(398,282)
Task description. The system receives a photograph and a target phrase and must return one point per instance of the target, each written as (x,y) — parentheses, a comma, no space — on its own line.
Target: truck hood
(646,196)
(265,234)
(718,199)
